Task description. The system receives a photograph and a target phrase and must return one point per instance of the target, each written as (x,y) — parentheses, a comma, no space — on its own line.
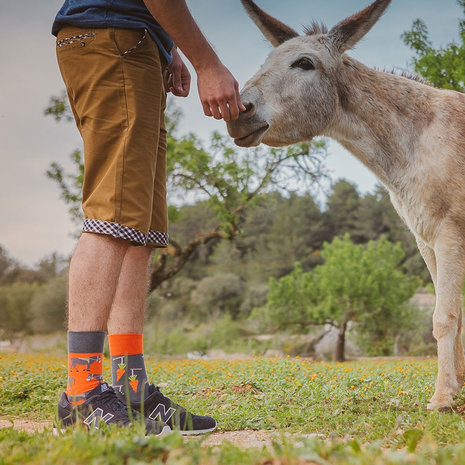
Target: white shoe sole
(197,432)
(164,432)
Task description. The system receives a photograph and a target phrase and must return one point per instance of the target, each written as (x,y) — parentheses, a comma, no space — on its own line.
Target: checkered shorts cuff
(115,230)
(158,238)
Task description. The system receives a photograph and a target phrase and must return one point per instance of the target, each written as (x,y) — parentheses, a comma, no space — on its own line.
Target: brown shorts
(114,80)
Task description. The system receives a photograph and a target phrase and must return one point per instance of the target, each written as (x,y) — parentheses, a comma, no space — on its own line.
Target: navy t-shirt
(126,14)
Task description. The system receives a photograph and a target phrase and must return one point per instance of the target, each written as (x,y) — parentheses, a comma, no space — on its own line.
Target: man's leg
(128,308)
(93,277)
(126,350)
(126,323)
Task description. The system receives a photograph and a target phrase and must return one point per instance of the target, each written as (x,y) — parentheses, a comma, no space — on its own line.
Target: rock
(274,353)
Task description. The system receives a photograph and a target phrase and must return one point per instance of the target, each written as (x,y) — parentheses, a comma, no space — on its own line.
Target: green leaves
(357,283)
(443,67)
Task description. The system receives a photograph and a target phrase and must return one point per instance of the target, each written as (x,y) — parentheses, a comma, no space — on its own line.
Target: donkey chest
(422,217)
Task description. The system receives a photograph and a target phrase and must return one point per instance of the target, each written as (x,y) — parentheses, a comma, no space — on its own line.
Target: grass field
(367,412)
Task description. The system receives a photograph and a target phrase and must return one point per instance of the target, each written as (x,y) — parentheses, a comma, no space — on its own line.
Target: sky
(33,220)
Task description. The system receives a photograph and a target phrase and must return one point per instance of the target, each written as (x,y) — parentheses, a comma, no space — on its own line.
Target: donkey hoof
(441,403)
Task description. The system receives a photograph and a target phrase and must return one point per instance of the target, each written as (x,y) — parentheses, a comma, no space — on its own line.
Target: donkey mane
(316,28)
(406,74)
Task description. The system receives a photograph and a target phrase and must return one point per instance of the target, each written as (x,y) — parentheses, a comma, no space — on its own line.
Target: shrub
(15,301)
(48,306)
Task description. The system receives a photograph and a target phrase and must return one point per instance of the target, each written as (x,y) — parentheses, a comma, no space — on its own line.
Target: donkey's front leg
(449,253)
(458,352)
(430,259)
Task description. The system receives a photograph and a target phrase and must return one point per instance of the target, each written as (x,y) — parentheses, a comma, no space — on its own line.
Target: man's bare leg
(93,278)
(126,324)
(127,311)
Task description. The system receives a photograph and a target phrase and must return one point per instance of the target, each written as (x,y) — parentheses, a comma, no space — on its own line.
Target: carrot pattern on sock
(120,371)
(133,382)
(128,366)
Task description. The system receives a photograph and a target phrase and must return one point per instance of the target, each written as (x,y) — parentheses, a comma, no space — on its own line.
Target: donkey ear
(349,31)
(275,31)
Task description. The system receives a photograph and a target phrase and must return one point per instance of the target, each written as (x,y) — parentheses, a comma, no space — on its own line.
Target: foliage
(443,67)
(48,306)
(357,284)
(342,208)
(369,412)
(218,294)
(116,447)
(12,272)
(70,184)
(277,231)
(15,302)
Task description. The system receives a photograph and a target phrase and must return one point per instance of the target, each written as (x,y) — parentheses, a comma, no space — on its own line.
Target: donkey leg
(459,355)
(449,251)
(430,259)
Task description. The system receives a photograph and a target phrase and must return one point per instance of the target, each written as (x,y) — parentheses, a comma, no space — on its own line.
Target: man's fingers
(233,107)
(186,82)
(225,113)
(239,103)
(177,82)
(206,109)
(215,111)
(167,80)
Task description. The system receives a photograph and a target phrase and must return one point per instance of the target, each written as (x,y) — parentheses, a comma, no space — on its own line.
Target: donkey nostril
(249,109)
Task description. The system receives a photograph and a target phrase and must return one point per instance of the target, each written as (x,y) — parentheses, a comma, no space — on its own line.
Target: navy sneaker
(102,405)
(157,407)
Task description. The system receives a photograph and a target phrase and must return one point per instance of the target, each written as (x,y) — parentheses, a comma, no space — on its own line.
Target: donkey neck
(381,119)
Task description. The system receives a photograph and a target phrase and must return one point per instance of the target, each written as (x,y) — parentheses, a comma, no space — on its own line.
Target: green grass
(371,412)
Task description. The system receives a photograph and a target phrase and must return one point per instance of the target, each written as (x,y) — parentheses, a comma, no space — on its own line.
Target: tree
(356,284)
(48,306)
(228,180)
(443,67)
(15,302)
(218,294)
(6,264)
(341,209)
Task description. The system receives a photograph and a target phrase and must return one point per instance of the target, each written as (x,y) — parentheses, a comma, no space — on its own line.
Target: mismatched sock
(85,353)
(128,365)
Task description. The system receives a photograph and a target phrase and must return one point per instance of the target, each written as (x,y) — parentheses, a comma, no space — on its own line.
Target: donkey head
(295,96)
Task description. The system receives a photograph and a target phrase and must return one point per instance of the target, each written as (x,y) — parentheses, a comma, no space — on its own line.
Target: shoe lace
(170,402)
(109,399)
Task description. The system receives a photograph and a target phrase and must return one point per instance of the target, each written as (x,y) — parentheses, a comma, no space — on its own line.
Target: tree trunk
(164,270)
(339,354)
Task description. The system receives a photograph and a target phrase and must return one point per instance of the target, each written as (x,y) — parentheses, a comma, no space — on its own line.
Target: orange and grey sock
(85,353)
(128,366)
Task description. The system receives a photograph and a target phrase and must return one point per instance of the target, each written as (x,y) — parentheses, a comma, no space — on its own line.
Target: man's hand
(219,92)
(218,89)
(177,76)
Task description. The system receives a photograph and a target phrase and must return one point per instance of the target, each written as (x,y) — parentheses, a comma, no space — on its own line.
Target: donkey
(409,134)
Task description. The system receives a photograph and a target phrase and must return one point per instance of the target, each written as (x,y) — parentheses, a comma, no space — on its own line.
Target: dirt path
(243,438)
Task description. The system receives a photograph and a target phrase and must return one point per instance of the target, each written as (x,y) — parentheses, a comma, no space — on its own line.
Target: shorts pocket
(75,40)
(128,41)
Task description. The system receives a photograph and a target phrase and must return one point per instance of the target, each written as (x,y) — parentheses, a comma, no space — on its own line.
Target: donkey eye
(303,63)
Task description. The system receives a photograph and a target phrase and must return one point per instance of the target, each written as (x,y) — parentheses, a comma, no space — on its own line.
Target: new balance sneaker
(158,407)
(102,405)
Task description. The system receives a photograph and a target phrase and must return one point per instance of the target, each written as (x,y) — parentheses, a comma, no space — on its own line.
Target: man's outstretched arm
(218,90)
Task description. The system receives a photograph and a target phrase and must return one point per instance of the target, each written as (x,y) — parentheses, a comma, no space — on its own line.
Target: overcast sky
(33,220)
